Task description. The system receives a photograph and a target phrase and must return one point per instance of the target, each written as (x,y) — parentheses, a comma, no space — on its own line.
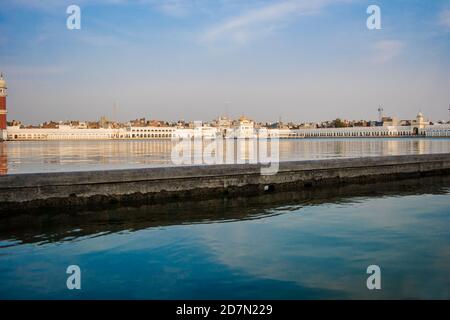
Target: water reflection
(3,159)
(314,243)
(52,225)
(43,156)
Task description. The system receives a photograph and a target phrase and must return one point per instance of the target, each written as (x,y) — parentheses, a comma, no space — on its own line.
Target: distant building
(104,122)
(440,130)
(389,121)
(222,127)
(420,122)
(3,111)
(361,132)
(244,128)
(49,125)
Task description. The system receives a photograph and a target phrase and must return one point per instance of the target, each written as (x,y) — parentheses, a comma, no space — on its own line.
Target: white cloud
(444,19)
(388,50)
(253,22)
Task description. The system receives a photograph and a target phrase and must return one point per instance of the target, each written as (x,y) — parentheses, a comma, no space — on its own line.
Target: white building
(280,133)
(387,131)
(63,132)
(440,130)
(150,132)
(66,132)
(244,128)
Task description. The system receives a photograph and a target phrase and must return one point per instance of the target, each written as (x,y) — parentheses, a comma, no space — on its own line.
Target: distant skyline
(299,60)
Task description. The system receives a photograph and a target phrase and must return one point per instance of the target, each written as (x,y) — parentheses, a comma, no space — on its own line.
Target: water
(307,244)
(45,156)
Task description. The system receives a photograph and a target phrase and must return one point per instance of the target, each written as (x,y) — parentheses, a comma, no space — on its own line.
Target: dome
(420,115)
(2,82)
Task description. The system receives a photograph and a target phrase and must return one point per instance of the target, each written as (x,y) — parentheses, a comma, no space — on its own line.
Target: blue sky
(197,59)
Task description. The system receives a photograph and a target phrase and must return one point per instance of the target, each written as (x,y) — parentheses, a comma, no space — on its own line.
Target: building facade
(3,94)
(442,130)
(244,128)
(361,132)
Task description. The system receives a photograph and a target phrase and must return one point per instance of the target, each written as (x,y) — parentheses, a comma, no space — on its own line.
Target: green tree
(338,123)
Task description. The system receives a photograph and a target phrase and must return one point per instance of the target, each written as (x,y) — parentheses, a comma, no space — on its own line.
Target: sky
(298,60)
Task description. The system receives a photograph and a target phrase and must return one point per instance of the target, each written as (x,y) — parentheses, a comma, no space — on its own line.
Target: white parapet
(3,135)
(440,130)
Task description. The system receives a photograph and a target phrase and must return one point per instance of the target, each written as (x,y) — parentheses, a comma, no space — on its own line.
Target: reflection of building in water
(246,151)
(330,148)
(3,159)
(38,156)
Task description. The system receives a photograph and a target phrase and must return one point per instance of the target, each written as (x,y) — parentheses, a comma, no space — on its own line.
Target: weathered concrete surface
(57,225)
(94,188)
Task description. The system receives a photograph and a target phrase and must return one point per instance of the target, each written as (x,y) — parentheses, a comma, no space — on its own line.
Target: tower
(3,94)
(380,113)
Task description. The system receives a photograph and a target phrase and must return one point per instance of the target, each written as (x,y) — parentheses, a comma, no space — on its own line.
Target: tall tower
(449,112)
(380,113)
(3,94)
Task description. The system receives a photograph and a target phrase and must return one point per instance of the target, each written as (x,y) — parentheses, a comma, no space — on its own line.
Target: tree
(338,123)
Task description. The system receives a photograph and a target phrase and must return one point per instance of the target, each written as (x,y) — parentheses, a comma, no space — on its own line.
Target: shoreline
(162,184)
(29,227)
(218,138)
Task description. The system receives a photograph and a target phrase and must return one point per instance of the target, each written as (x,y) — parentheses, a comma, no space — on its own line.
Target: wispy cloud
(387,50)
(444,19)
(262,19)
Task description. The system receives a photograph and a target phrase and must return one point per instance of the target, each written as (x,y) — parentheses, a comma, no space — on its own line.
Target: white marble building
(244,129)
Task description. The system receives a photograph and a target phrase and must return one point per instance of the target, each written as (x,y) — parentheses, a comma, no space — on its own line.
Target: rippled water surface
(43,156)
(312,244)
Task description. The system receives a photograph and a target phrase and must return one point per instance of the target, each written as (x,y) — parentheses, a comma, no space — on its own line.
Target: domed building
(419,122)
(245,128)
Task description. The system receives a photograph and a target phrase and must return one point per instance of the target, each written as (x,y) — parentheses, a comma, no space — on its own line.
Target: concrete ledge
(23,191)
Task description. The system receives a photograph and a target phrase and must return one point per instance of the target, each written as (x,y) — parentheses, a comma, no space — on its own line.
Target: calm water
(34,156)
(306,244)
